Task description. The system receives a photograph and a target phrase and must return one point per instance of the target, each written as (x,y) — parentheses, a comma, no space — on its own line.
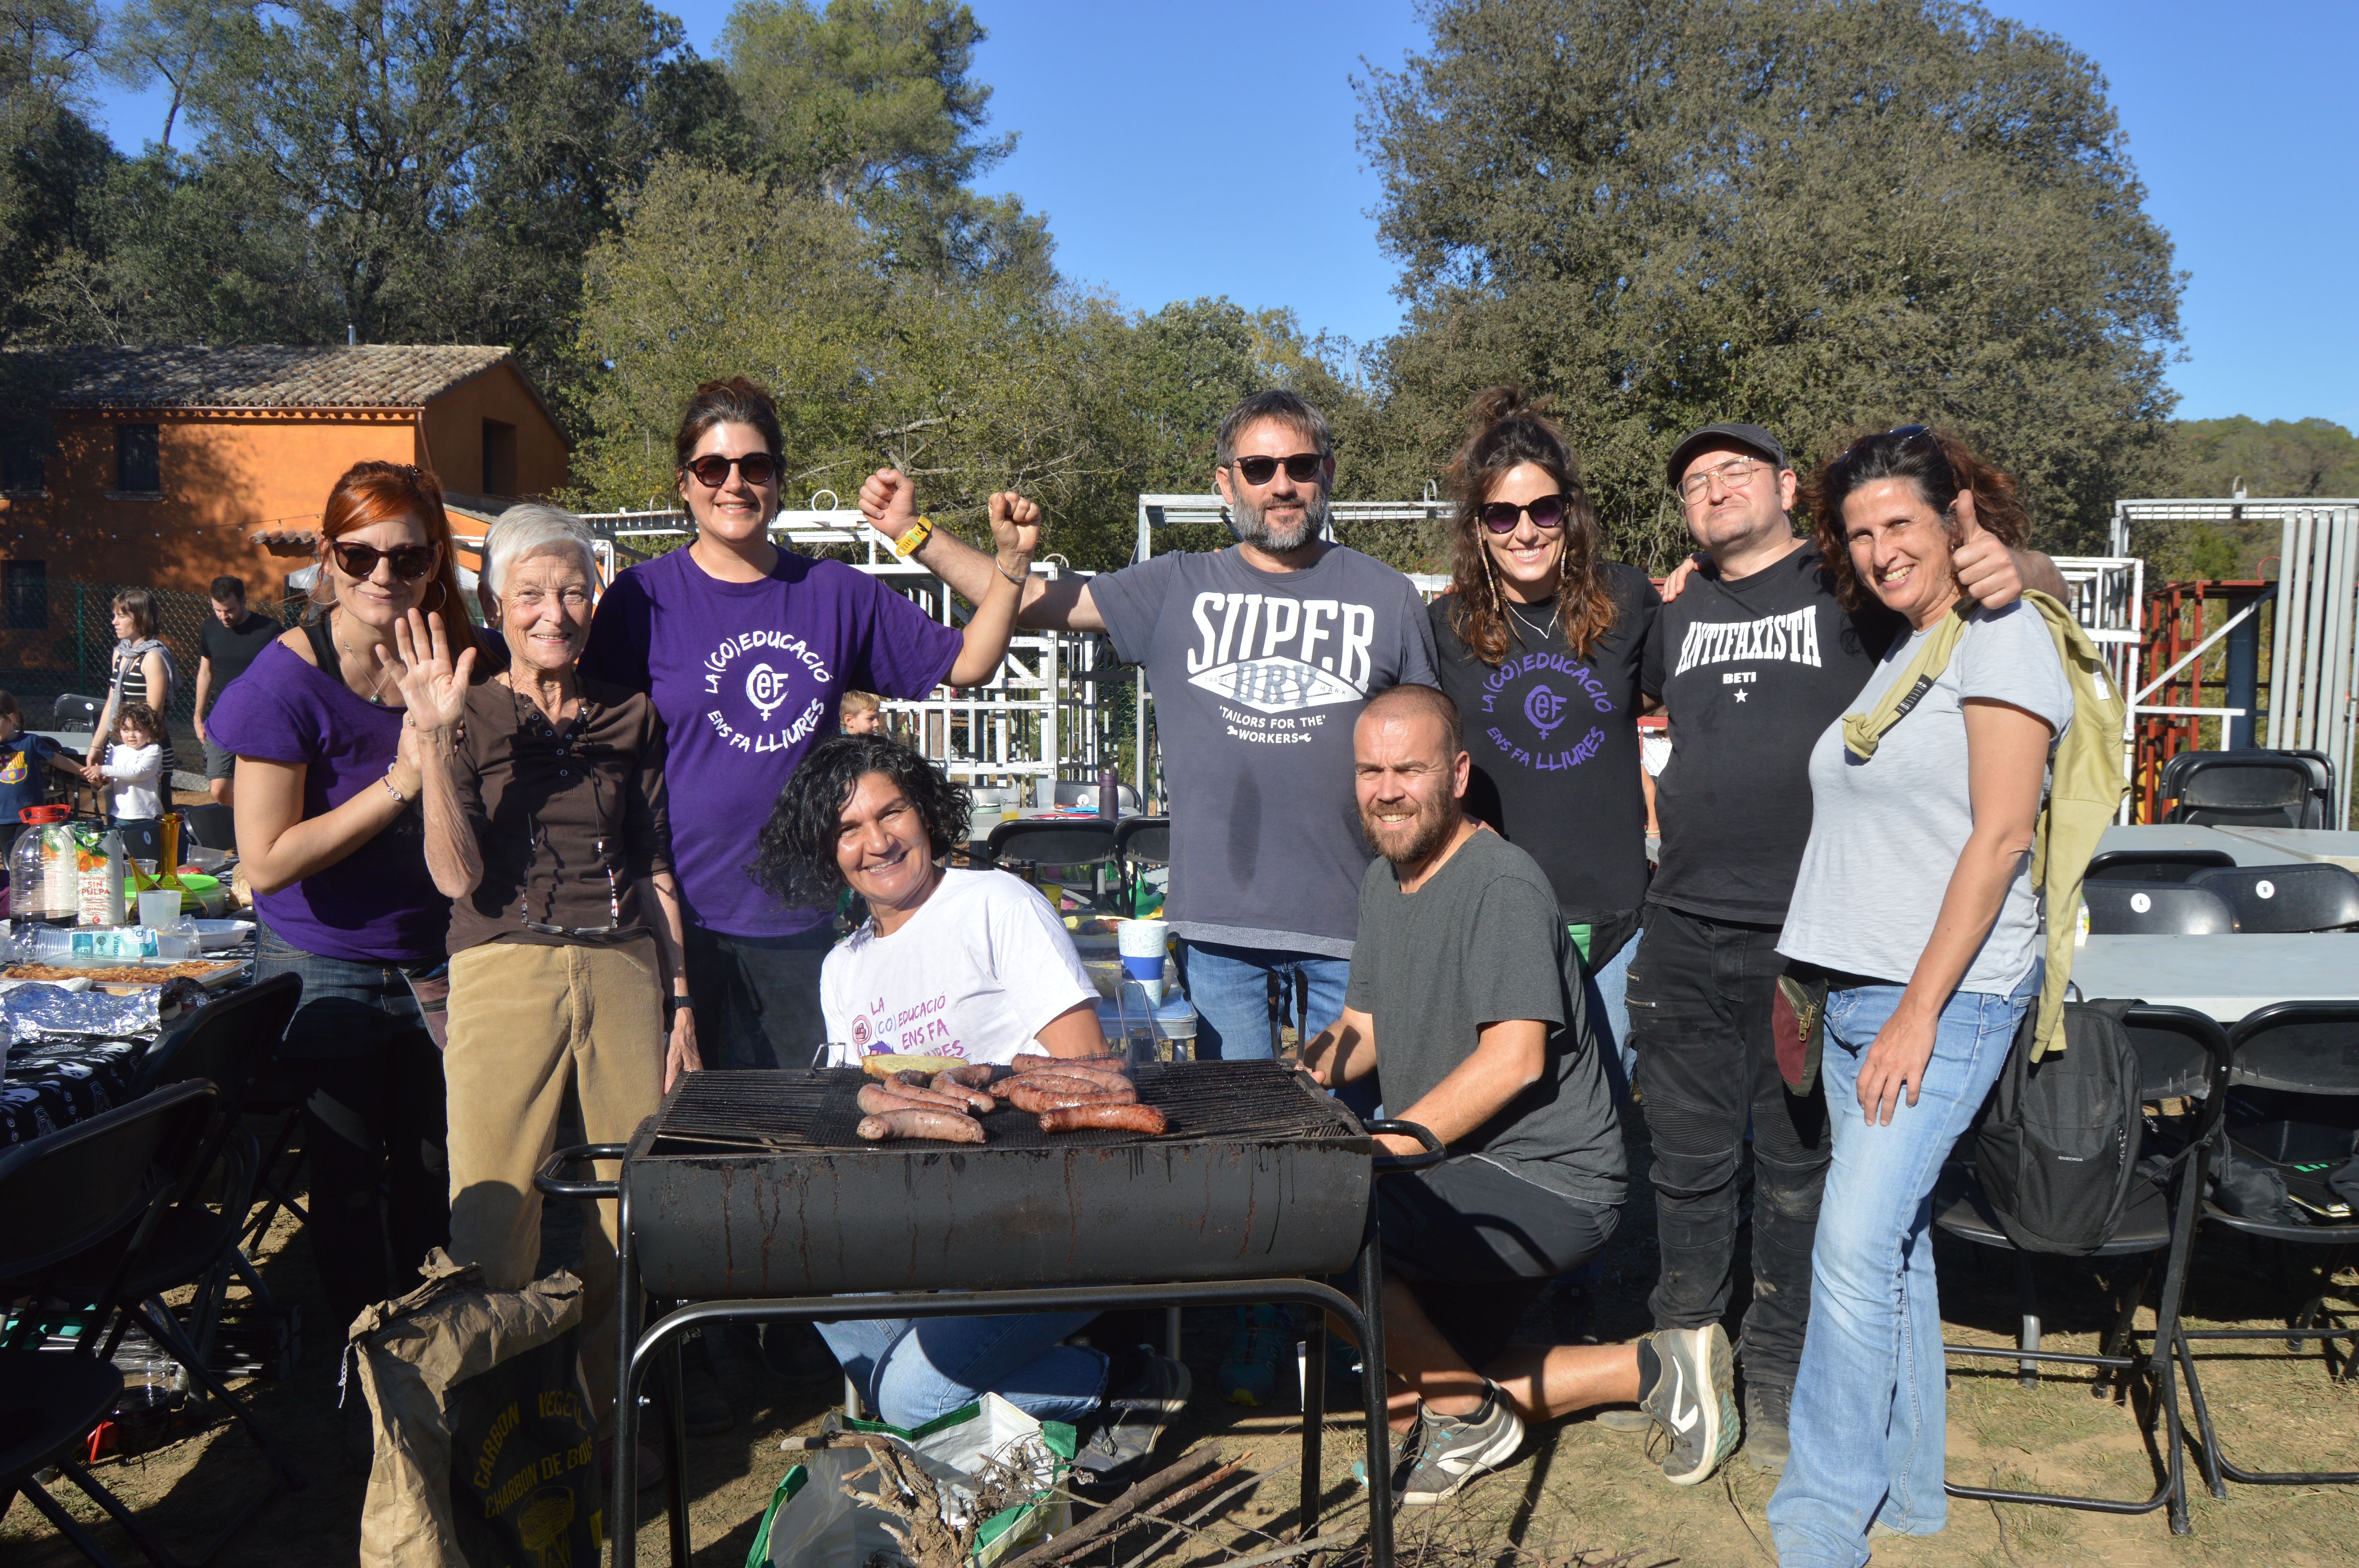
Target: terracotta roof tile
(372,375)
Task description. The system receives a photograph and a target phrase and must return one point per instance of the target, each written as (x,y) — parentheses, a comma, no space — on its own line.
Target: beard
(1251,523)
(1408,843)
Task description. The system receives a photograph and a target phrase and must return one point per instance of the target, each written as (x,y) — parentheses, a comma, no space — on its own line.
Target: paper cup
(1143,939)
(161,908)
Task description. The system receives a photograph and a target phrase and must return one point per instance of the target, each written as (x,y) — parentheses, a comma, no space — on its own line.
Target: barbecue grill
(748,1194)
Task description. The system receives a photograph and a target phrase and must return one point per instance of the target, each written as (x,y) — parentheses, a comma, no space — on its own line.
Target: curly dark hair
(1506,429)
(797,856)
(1938,465)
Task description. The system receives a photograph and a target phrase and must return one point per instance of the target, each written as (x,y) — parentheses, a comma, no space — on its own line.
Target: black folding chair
(62,1194)
(2240,789)
(2156,909)
(2182,1054)
(1065,845)
(72,712)
(188,1242)
(2306,896)
(2304,1048)
(1140,843)
(213,826)
(2154,865)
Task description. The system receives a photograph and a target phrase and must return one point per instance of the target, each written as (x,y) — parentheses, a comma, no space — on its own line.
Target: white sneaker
(1694,1401)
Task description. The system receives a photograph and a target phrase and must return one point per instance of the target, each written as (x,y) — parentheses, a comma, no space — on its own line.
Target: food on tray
(199,969)
(946,1125)
(885,1066)
(1108,1117)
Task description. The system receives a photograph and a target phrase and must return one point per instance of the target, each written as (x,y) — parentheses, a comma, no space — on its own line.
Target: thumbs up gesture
(1987,571)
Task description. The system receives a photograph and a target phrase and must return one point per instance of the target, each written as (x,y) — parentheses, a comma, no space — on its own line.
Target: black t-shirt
(232,648)
(1752,671)
(1554,739)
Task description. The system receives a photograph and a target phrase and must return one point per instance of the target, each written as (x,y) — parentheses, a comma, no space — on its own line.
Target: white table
(2332,845)
(2140,838)
(2224,977)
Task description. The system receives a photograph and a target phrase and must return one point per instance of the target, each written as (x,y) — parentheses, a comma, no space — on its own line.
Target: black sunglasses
(1301,467)
(711,470)
(1907,433)
(1546,512)
(410,562)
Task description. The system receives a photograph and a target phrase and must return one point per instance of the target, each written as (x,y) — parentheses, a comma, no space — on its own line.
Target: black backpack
(2056,1144)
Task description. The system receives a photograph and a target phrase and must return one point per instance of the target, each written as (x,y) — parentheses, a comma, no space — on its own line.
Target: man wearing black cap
(1753,659)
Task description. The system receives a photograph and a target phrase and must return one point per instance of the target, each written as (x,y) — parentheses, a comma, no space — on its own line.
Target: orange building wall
(455,435)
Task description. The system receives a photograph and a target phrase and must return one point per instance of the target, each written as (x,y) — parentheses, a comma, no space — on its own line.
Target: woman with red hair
(330,838)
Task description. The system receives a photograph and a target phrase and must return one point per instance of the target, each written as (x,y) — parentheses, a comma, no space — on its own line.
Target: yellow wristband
(910,543)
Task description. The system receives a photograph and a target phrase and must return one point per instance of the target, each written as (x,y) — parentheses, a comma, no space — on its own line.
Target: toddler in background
(134,765)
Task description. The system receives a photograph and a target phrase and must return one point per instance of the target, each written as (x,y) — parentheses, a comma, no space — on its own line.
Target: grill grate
(815,1110)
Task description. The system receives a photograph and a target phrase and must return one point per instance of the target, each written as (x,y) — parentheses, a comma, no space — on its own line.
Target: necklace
(375,693)
(1540,631)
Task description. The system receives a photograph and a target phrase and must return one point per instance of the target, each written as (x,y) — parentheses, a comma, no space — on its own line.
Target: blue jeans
(1609,1015)
(1228,986)
(912,1370)
(1868,1423)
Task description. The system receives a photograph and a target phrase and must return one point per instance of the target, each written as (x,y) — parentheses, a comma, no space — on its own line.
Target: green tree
(2281,457)
(871,102)
(1810,214)
(50,160)
(175,42)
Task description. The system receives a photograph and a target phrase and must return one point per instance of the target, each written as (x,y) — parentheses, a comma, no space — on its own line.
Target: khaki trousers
(527,1022)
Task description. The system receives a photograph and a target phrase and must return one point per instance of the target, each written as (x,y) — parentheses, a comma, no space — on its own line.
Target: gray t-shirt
(1888,831)
(1257,679)
(1479,942)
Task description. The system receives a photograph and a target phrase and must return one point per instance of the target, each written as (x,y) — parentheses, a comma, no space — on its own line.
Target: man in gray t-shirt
(1260,657)
(1465,994)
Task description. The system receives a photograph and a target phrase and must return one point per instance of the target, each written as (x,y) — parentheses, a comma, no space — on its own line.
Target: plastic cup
(159,908)
(1142,944)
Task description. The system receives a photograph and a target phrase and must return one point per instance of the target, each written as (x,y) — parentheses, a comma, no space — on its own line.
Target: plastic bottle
(43,884)
(1109,794)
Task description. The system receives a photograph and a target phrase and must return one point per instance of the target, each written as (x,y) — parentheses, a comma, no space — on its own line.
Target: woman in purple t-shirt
(747,651)
(329,838)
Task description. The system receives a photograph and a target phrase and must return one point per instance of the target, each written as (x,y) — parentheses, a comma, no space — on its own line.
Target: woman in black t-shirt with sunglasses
(1538,642)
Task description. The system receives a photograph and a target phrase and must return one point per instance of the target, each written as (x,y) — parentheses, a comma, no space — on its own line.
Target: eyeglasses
(1547,512)
(1907,433)
(1733,474)
(1301,467)
(711,470)
(410,562)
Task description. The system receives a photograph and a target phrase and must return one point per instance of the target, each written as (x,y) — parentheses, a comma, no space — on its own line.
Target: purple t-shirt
(377,904)
(746,676)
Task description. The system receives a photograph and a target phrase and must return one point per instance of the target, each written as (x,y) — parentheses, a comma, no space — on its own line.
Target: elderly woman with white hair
(545,826)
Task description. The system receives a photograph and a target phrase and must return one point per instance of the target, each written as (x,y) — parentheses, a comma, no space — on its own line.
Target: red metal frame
(2175,623)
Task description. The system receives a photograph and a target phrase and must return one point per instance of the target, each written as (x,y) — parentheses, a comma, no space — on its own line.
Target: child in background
(22,781)
(134,764)
(860,713)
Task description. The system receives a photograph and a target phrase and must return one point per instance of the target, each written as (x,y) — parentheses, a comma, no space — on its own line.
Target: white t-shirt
(977,972)
(137,773)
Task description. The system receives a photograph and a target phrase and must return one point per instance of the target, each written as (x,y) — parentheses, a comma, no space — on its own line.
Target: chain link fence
(58,640)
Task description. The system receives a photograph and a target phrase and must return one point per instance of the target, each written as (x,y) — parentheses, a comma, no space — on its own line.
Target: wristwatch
(910,543)
(675,1005)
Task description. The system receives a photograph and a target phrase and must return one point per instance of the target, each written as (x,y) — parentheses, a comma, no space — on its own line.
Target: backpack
(2056,1145)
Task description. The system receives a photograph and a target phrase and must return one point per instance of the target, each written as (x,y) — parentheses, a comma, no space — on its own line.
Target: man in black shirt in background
(1754,658)
(232,638)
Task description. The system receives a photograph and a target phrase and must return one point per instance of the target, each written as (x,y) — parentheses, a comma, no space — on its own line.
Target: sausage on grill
(1037,1098)
(972,1075)
(946,1125)
(1108,1063)
(974,1099)
(1113,1117)
(877,1098)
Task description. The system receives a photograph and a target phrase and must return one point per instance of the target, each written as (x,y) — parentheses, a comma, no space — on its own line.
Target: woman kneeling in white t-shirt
(952,963)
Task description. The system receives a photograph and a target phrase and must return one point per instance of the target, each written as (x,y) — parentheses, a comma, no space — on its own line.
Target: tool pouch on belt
(1797,1024)
(485,1453)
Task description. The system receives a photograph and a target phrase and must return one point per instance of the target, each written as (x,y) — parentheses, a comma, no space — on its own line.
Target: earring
(438,603)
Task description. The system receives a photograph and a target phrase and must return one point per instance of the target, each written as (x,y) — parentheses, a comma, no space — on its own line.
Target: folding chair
(1068,845)
(2304,1048)
(2182,1054)
(1140,843)
(213,826)
(2247,789)
(2301,897)
(2156,909)
(2154,865)
(64,1194)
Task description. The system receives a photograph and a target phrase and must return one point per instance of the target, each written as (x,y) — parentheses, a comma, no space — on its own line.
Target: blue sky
(1209,148)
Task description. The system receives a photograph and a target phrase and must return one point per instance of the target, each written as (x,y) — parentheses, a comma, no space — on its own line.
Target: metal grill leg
(1314,1420)
(1171,1333)
(1374,1390)
(2026,1373)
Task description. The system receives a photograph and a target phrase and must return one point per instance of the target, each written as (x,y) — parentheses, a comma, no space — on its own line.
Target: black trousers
(757,997)
(1700,995)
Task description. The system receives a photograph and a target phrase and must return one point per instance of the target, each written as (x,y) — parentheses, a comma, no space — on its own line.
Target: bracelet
(675,1004)
(910,543)
(1016,577)
(390,787)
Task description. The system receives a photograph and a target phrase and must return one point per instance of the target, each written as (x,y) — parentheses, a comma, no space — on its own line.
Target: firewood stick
(1178,1474)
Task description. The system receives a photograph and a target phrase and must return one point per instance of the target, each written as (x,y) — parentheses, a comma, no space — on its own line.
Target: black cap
(1751,437)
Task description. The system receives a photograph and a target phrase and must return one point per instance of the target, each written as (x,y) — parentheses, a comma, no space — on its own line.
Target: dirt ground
(1579,1496)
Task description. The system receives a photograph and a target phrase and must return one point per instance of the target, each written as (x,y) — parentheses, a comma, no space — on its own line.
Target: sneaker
(1623,1418)
(1693,1400)
(1248,1373)
(1132,1417)
(1766,1406)
(1447,1451)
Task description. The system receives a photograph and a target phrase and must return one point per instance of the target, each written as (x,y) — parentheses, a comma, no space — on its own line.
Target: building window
(499,458)
(137,468)
(25,595)
(20,463)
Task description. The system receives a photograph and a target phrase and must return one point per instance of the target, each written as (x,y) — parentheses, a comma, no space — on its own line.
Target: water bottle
(1109,794)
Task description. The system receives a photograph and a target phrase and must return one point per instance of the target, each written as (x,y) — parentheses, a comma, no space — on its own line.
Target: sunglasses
(1301,467)
(711,470)
(410,562)
(1547,512)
